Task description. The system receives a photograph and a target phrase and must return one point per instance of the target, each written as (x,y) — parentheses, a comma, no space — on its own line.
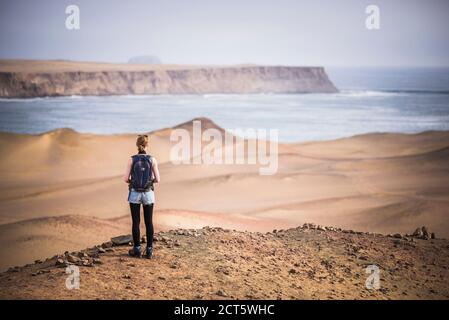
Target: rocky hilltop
(28,79)
(308,262)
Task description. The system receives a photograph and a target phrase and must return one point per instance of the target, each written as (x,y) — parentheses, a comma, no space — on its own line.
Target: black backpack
(141,173)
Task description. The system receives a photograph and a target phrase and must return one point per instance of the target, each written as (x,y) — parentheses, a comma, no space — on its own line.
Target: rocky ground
(308,262)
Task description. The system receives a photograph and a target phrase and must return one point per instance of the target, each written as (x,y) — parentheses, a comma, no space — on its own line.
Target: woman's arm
(156,176)
(128,170)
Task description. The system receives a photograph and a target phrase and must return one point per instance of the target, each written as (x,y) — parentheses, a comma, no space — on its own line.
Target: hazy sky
(290,32)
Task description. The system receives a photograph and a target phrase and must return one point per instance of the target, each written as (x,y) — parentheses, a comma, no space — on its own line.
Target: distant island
(147,59)
(42,78)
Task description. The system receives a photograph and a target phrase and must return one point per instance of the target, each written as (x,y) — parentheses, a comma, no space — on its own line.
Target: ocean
(404,100)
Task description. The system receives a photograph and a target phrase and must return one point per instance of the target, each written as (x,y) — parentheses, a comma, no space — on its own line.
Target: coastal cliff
(31,82)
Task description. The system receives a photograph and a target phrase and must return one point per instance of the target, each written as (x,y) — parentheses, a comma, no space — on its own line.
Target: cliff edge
(27,79)
(308,262)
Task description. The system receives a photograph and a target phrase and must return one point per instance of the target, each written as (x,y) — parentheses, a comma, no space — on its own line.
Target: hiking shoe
(149,253)
(135,252)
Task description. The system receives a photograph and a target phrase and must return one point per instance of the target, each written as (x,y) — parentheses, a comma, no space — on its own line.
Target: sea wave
(387,93)
(23,99)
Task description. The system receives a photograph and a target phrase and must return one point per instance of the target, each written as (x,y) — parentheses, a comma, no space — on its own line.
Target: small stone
(87,263)
(221,293)
(175,265)
(97,261)
(223,269)
(73,259)
(364,258)
(418,233)
(126,276)
(292,271)
(106,245)
(101,250)
(83,255)
(143,239)
(60,263)
(397,236)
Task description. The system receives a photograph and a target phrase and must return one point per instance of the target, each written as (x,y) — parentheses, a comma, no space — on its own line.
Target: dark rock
(425,232)
(106,245)
(418,233)
(60,263)
(122,240)
(83,255)
(397,236)
(364,258)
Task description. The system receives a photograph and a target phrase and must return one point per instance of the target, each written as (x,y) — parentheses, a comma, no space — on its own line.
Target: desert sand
(62,190)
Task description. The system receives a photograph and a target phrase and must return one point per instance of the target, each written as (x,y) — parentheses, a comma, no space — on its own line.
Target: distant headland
(43,78)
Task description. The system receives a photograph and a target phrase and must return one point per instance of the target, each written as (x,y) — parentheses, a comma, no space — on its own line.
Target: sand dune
(375,182)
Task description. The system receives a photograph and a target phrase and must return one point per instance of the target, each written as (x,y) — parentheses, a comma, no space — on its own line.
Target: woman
(141,173)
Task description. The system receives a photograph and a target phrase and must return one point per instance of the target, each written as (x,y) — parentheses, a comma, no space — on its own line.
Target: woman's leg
(148,216)
(135,215)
